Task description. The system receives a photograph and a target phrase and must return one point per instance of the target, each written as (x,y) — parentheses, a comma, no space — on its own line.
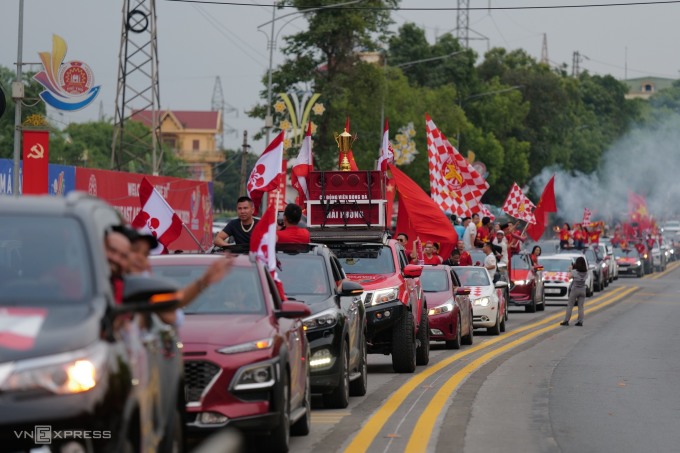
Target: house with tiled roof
(645,87)
(192,136)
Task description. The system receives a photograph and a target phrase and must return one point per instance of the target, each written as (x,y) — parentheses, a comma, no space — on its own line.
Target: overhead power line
(440,8)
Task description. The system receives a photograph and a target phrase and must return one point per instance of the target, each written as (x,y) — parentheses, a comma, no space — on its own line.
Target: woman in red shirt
(564,234)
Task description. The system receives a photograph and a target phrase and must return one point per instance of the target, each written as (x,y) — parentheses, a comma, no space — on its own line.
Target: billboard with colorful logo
(68,85)
(61,178)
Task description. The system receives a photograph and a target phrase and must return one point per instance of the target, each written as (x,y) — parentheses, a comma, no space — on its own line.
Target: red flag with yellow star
(637,210)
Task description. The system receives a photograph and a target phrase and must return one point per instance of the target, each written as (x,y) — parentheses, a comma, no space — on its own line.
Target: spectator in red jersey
(465,257)
(564,235)
(483,232)
(429,257)
(291,232)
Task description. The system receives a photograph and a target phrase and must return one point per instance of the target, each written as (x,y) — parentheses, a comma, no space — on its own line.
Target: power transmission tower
(544,50)
(137,89)
(463,23)
(218,104)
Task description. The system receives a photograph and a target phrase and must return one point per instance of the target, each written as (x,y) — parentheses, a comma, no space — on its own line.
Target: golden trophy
(345,141)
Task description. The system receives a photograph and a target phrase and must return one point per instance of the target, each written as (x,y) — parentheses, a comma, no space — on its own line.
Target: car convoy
(244,357)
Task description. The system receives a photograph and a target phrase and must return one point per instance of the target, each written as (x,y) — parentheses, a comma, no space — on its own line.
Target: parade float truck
(346,210)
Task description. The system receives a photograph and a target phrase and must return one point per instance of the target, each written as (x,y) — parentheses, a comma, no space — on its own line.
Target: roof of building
(186,119)
(637,85)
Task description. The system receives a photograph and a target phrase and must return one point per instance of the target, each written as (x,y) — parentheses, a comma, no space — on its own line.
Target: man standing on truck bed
(240,228)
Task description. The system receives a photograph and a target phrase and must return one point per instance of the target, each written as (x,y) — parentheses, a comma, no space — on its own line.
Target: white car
(489,307)
(557,278)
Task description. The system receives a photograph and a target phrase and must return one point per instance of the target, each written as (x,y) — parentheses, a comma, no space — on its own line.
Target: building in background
(192,136)
(645,87)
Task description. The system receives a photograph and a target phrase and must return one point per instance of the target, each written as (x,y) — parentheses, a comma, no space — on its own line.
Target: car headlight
(321,359)
(483,301)
(322,320)
(444,308)
(62,374)
(521,282)
(256,376)
(265,343)
(385,295)
(638,262)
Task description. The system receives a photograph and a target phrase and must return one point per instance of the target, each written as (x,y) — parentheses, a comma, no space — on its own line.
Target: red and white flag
(263,244)
(386,151)
(303,165)
(484,212)
(518,205)
(454,184)
(19,327)
(157,217)
(267,171)
(586,217)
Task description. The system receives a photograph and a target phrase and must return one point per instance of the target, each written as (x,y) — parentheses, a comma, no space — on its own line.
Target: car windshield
(434,281)
(365,259)
(43,269)
(591,256)
(473,276)
(628,253)
(552,265)
(303,274)
(519,262)
(240,292)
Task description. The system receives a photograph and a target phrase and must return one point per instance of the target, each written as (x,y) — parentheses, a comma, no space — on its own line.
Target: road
(609,386)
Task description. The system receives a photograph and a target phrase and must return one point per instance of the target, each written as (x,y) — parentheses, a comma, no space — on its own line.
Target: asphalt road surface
(612,385)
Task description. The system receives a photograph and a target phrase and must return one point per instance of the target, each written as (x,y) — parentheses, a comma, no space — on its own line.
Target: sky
(198,42)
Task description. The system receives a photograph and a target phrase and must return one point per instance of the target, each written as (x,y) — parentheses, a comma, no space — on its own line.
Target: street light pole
(480,95)
(18,96)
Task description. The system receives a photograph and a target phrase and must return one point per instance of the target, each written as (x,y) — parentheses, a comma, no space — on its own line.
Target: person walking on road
(578,291)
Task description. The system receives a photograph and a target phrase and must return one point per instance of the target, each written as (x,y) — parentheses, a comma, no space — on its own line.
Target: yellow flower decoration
(280,107)
(284,125)
(318,108)
(287,143)
(313,128)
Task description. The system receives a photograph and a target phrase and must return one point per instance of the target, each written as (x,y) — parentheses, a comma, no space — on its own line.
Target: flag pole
(186,228)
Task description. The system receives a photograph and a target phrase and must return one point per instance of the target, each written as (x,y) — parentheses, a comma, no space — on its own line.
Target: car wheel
(541,304)
(279,439)
(640,273)
(304,424)
(404,345)
(507,301)
(456,342)
(531,308)
(502,326)
(359,386)
(339,397)
(423,351)
(496,329)
(469,338)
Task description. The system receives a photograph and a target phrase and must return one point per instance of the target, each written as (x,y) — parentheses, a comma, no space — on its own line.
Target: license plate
(552,290)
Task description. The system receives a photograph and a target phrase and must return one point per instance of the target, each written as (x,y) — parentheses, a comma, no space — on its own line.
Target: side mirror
(350,288)
(501,284)
(412,271)
(292,310)
(148,294)
(462,291)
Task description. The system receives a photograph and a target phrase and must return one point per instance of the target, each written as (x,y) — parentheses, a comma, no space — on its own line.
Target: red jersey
(434,259)
(482,235)
(564,235)
(293,235)
(579,235)
(465,259)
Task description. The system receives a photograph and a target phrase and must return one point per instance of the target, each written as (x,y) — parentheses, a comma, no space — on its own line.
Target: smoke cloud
(645,161)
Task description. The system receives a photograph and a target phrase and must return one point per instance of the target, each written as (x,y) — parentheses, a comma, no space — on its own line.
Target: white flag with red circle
(386,151)
(303,165)
(157,217)
(267,171)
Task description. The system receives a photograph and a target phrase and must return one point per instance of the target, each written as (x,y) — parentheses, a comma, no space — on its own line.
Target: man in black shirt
(240,228)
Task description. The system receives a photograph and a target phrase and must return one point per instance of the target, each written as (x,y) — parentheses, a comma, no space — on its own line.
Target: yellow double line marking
(423,430)
(671,267)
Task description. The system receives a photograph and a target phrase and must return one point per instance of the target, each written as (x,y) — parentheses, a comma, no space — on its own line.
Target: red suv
(526,283)
(396,311)
(246,356)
